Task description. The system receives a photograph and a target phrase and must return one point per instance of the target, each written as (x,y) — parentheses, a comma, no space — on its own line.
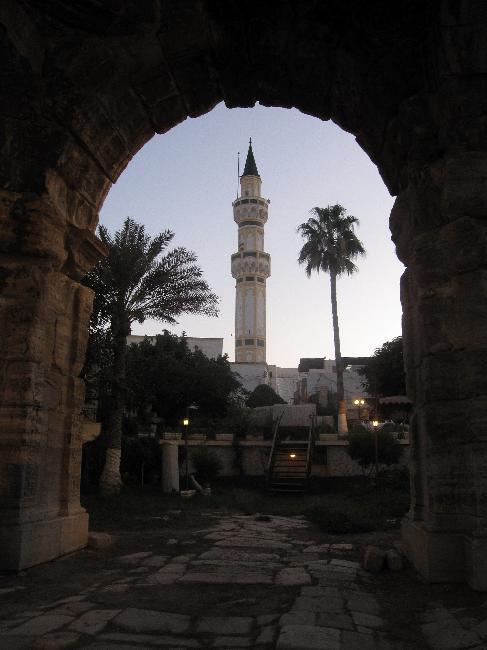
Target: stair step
(286,491)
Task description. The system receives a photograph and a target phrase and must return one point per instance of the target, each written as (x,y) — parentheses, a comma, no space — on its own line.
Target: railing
(275,439)
(311,443)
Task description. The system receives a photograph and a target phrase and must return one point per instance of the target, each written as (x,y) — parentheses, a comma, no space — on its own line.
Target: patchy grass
(345,512)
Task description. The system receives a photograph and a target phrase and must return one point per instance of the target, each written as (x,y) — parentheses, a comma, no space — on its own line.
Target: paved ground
(239,582)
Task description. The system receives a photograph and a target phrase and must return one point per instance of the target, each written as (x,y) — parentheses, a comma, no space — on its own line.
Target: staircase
(289,464)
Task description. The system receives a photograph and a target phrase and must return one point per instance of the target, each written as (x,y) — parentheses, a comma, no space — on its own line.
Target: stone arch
(87,85)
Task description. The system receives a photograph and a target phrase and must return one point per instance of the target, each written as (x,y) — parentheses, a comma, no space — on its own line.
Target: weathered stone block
(99,541)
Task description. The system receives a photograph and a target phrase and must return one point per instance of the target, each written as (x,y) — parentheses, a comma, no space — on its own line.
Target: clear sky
(186,180)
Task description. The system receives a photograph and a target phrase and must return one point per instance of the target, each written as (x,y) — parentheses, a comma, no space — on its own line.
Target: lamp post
(186,429)
(375,424)
(186,425)
(358,403)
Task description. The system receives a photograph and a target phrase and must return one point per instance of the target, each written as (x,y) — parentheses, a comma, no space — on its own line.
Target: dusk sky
(186,181)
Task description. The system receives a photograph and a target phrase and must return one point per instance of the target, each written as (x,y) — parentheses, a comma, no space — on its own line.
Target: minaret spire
(251,267)
(250,168)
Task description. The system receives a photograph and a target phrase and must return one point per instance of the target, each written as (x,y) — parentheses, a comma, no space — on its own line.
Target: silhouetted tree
(331,246)
(384,372)
(138,280)
(264,395)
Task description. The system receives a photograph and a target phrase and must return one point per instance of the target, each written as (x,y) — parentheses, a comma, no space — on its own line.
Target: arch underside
(85,86)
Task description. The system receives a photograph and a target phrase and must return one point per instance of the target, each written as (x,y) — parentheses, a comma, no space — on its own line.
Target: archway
(87,86)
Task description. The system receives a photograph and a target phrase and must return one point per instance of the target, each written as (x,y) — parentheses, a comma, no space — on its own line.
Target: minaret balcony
(251,262)
(252,209)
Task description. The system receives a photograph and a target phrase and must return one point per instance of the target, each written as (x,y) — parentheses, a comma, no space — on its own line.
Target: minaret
(251,267)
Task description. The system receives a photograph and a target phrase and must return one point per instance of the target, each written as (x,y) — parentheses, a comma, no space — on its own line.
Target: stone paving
(252,582)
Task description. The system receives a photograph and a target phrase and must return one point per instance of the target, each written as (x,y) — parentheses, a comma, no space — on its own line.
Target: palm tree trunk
(110,480)
(342,412)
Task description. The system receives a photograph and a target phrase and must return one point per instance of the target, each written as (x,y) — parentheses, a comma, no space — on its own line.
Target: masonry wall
(254,455)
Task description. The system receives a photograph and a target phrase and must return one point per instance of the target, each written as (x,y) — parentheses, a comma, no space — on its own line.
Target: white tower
(251,267)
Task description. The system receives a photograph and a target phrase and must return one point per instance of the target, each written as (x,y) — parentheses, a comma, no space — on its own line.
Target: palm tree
(331,246)
(134,282)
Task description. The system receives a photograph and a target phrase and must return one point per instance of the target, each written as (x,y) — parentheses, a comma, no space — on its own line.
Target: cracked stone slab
(345,563)
(54,641)
(94,621)
(367,620)
(330,605)
(155,561)
(225,625)
(337,621)
(182,559)
(253,542)
(293,576)
(73,609)
(298,618)
(322,592)
(134,619)
(133,558)
(357,641)
(237,565)
(42,624)
(232,642)
(148,639)
(238,556)
(317,548)
(448,634)
(267,635)
(227,578)
(363,603)
(308,637)
(341,547)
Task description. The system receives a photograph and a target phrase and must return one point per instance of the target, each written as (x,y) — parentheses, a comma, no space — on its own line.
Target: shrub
(343,518)
(361,448)
(238,421)
(206,464)
(141,457)
(264,395)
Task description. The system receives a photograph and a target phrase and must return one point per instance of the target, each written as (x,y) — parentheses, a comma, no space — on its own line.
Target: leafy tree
(361,448)
(139,280)
(384,372)
(207,464)
(264,395)
(167,376)
(332,246)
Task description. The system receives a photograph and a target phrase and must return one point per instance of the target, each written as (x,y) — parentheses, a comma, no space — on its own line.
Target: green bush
(264,395)
(237,421)
(206,464)
(141,458)
(361,448)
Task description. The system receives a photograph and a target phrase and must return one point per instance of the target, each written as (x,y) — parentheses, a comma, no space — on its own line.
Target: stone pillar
(170,467)
(44,314)
(440,230)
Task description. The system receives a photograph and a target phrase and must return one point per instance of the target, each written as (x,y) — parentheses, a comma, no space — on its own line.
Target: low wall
(293,415)
(331,457)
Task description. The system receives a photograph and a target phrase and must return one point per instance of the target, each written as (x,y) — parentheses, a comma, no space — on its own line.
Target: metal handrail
(275,436)
(311,440)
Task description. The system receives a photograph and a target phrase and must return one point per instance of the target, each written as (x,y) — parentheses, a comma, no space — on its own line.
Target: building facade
(211,347)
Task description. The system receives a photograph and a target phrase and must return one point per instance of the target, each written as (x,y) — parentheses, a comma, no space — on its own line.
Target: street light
(375,424)
(358,403)
(186,427)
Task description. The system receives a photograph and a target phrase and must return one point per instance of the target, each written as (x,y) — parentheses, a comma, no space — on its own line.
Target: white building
(211,347)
